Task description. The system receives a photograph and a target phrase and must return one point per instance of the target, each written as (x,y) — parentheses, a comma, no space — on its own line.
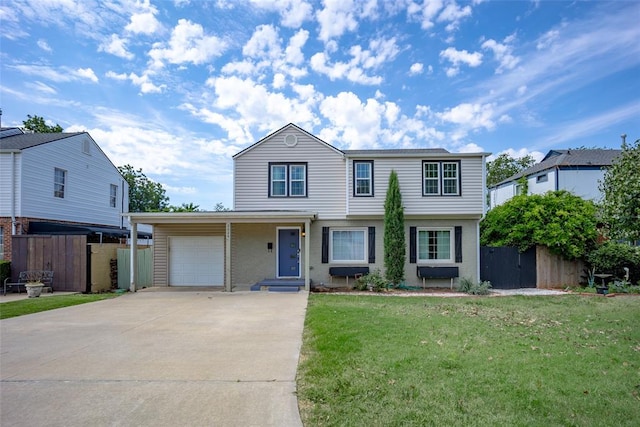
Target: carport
(205,241)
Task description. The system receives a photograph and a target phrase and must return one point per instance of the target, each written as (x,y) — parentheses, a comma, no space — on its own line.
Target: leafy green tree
(394,241)
(185,207)
(621,194)
(37,124)
(145,195)
(219,207)
(505,166)
(559,220)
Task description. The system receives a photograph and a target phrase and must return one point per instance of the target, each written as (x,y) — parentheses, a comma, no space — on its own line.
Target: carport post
(227,257)
(307,269)
(134,256)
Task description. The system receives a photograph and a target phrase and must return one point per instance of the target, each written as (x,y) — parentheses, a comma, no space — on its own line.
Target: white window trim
(437,179)
(288,182)
(63,183)
(452,249)
(113,197)
(356,179)
(457,179)
(272,180)
(303,180)
(365,253)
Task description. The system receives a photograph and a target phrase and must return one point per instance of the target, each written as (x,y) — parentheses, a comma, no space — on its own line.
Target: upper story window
(435,245)
(287,179)
(363,178)
(86,146)
(542,178)
(441,178)
(59,182)
(113,195)
(348,245)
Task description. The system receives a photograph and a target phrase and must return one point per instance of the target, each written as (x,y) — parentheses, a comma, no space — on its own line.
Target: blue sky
(177,87)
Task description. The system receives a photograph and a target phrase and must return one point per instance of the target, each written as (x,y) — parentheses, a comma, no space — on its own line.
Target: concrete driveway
(155,359)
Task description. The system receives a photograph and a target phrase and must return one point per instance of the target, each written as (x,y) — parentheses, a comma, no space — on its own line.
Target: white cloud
(87,73)
(143,81)
(293,52)
(41,87)
(293,13)
(503,53)
(518,153)
(380,51)
(42,44)
(278,81)
(416,69)
(116,46)
(547,39)
(188,43)
(264,43)
(252,105)
(453,14)
(336,18)
(473,116)
(63,74)
(357,124)
(457,57)
(144,21)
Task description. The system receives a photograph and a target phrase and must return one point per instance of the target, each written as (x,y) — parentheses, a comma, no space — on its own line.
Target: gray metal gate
(506,268)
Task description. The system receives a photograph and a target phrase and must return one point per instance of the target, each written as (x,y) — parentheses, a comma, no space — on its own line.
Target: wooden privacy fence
(66,256)
(145,268)
(506,268)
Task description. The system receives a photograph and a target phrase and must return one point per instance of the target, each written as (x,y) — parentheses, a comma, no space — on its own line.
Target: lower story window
(348,245)
(435,245)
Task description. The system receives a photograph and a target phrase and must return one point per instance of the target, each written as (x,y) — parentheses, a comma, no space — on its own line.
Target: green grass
(35,305)
(516,361)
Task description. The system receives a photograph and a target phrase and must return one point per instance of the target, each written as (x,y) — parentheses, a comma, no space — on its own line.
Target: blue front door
(288,252)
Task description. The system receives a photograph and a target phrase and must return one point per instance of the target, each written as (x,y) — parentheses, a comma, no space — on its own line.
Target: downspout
(346,183)
(484,212)
(13,193)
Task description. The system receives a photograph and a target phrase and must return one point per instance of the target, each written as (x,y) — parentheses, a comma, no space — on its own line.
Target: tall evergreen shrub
(394,241)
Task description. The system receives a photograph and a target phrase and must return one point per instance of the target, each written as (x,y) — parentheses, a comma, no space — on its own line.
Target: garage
(196,261)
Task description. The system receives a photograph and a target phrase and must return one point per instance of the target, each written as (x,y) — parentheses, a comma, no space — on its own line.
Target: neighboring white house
(577,171)
(58,183)
(303,209)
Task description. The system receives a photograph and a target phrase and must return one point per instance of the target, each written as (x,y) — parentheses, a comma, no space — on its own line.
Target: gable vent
(290,140)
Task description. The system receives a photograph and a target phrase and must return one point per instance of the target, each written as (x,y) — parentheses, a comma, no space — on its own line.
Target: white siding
(88,180)
(325,174)
(409,171)
(6,191)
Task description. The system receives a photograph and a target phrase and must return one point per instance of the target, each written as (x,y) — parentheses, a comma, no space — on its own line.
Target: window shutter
(413,247)
(372,245)
(458,243)
(325,245)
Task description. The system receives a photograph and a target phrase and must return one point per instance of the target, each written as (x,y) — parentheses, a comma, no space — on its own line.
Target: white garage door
(196,261)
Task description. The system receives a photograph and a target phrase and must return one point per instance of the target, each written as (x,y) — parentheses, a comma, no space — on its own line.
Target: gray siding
(325,172)
(88,180)
(6,170)
(409,172)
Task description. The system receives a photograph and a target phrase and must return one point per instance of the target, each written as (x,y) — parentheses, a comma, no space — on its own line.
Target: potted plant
(34,285)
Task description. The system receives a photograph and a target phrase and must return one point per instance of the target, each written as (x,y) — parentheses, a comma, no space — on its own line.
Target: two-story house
(577,171)
(302,206)
(58,183)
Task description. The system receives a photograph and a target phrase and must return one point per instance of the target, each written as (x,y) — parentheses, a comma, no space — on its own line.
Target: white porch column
(134,256)
(227,257)
(307,269)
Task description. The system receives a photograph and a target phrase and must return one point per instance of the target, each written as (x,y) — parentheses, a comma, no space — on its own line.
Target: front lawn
(519,361)
(34,305)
